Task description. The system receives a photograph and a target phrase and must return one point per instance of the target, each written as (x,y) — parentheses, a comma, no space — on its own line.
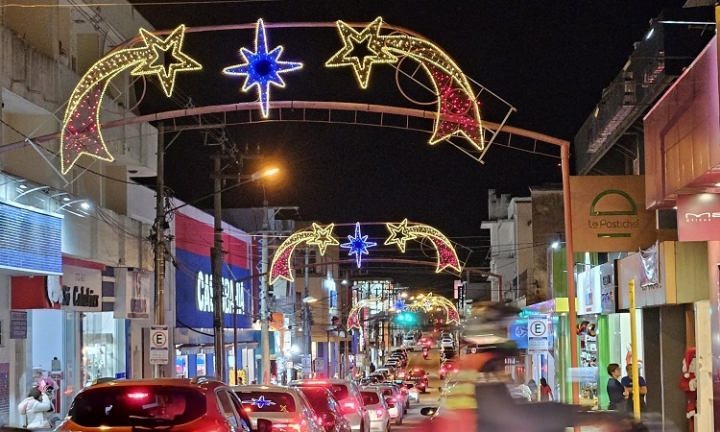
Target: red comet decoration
(82,134)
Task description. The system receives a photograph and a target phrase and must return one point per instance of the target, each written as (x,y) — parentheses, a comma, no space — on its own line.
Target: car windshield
(338,390)
(266,402)
(141,406)
(417,373)
(370,398)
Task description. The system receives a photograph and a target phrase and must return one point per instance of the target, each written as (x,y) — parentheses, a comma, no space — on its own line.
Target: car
(392,363)
(447,342)
(403,392)
(378,409)
(348,395)
(448,368)
(327,409)
(180,404)
(424,342)
(419,377)
(413,391)
(387,373)
(409,342)
(287,408)
(395,402)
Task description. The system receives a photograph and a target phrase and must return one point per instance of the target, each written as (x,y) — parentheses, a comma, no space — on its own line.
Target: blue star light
(260,402)
(400,305)
(262,68)
(358,245)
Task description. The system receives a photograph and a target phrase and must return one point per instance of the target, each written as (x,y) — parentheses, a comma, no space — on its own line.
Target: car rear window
(370,398)
(137,406)
(338,390)
(318,398)
(417,373)
(387,392)
(266,402)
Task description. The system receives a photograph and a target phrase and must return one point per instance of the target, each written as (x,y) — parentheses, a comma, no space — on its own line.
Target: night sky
(549,59)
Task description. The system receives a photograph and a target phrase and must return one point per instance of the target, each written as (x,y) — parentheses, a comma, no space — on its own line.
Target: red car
(177,404)
(448,368)
(425,341)
(419,377)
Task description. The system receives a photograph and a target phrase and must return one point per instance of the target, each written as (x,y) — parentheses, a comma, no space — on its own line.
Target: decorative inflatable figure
(688,384)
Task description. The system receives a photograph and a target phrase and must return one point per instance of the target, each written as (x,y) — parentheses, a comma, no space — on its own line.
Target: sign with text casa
(608,214)
(698,217)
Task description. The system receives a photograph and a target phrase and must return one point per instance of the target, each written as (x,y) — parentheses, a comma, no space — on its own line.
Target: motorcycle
(425,353)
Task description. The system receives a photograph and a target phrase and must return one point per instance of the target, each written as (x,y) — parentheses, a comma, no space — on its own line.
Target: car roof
(321,382)
(262,388)
(198,382)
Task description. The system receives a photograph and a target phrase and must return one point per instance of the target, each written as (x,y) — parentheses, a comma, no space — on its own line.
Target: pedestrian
(33,408)
(521,391)
(546,393)
(616,391)
(627,382)
(532,385)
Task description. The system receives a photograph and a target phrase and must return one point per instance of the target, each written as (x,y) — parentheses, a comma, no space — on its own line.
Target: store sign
(518,332)
(588,291)
(608,214)
(30,240)
(608,289)
(81,289)
(698,217)
(18,324)
(133,293)
(230,288)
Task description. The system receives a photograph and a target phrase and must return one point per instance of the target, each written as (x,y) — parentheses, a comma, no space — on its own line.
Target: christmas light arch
(457,114)
(428,303)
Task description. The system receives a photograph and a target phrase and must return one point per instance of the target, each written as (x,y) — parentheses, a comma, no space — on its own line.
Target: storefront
(194,298)
(73,337)
(671,282)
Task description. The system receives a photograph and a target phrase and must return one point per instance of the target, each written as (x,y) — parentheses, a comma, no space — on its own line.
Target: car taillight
(286,427)
(380,412)
(349,407)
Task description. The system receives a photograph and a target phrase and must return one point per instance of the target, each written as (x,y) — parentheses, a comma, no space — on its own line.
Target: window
(226,407)
(114,406)
(333,299)
(370,398)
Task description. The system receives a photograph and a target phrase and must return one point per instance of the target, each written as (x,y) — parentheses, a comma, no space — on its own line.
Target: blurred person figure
(546,393)
(533,389)
(521,390)
(33,408)
(616,391)
(628,384)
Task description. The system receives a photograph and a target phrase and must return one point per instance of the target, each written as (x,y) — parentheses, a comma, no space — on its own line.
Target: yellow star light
(375,44)
(399,234)
(322,237)
(154,64)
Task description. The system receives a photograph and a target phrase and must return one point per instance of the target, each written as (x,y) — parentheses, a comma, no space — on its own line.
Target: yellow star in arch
(154,64)
(322,237)
(375,44)
(399,235)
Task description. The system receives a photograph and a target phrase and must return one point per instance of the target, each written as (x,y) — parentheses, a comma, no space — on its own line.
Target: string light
(358,245)
(426,304)
(458,114)
(280,267)
(262,68)
(446,254)
(81,133)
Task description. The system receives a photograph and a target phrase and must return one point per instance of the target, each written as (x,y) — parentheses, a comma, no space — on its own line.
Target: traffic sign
(538,332)
(159,345)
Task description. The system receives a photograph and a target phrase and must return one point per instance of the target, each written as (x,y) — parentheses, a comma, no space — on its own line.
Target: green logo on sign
(608,218)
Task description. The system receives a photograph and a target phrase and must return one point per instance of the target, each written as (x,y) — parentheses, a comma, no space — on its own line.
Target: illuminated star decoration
(323,237)
(358,245)
(262,68)
(260,402)
(154,66)
(400,305)
(446,255)
(399,235)
(458,113)
(81,133)
(370,36)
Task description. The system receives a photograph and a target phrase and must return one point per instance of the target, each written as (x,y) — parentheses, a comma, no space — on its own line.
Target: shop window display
(588,376)
(103,346)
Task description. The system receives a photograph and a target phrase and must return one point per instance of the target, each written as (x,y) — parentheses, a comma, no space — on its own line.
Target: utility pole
(216,254)
(307,327)
(160,238)
(264,303)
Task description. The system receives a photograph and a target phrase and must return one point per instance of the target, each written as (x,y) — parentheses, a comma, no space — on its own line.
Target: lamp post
(216,254)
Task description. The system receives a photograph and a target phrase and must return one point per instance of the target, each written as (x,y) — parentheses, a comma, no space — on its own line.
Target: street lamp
(216,254)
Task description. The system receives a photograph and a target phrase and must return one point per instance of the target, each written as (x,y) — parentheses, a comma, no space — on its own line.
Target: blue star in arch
(400,305)
(358,245)
(262,68)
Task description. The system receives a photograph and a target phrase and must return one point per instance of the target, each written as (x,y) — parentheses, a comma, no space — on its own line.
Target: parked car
(183,405)
(287,408)
(348,395)
(378,409)
(395,401)
(327,409)
(447,342)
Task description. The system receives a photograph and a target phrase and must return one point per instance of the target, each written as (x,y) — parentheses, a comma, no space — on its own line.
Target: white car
(413,392)
(447,342)
(394,400)
(286,408)
(378,409)
(409,342)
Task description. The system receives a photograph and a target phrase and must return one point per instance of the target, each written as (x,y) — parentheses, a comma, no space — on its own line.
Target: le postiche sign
(608,214)
(698,217)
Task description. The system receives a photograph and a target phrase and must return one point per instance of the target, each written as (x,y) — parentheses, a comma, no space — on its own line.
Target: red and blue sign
(193,276)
